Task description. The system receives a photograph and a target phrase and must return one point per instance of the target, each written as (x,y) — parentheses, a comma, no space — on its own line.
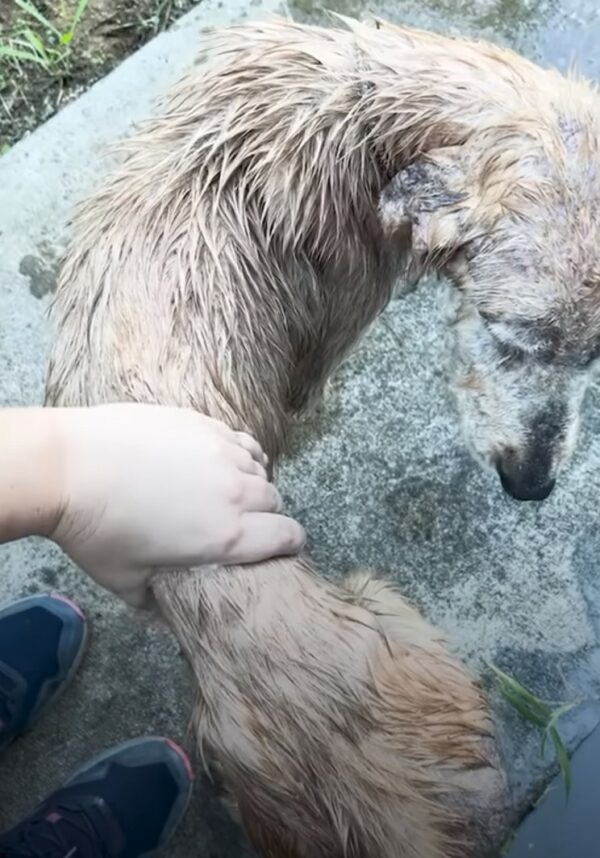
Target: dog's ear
(427,201)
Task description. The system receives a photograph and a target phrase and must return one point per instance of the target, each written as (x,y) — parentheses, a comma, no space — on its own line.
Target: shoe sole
(177,762)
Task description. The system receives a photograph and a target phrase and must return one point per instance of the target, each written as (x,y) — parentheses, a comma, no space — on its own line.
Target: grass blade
(562,757)
(79,10)
(562,710)
(526,704)
(542,715)
(31,10)
(23,56)
(36,43)
(516,687)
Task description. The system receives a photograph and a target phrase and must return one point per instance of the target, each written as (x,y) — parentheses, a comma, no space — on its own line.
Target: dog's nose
(524,483)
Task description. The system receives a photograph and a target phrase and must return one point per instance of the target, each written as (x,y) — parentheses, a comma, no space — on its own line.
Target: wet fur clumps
(345,728)
(254,229)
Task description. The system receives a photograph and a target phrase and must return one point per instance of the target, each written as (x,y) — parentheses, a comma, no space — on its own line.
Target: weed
(507,845)
(37,40)
(541,714)
(159,20)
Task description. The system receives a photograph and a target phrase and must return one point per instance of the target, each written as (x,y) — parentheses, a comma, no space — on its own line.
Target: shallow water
(558,828)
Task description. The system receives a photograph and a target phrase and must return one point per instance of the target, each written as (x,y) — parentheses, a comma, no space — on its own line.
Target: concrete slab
(379,475)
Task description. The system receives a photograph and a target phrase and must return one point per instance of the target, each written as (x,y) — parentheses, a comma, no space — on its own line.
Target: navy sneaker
(125,804)
(42,640)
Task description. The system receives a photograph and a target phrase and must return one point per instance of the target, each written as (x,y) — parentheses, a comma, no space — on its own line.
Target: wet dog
(255,229)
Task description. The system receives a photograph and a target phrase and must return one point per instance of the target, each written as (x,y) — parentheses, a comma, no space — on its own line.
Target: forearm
(29,472)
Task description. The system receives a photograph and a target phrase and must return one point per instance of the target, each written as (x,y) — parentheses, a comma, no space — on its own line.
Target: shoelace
(73,835)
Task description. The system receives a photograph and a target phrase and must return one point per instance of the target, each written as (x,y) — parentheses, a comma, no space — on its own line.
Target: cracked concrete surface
(378,475)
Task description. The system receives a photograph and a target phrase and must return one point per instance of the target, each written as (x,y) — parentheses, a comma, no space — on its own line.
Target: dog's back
(228,265)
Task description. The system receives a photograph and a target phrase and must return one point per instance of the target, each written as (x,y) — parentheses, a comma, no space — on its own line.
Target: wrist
(31,469)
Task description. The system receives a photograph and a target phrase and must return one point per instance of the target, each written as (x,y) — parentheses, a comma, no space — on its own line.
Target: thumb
(264,536)
(129,584)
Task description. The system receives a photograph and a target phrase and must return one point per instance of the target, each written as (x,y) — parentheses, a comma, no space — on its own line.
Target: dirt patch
(39,74)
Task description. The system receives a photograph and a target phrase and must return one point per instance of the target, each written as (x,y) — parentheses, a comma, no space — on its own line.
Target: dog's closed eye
(503,338)
(510,354)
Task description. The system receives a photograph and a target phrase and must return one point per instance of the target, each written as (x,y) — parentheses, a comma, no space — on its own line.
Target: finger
(252,446)
(260,496)
(246,463)
(264,536)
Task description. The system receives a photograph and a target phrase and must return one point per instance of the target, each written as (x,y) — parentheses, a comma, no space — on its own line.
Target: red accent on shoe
(60,598)
(53,818)
(182,756)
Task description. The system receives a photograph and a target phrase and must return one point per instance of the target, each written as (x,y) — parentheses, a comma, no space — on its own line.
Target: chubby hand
(145,488)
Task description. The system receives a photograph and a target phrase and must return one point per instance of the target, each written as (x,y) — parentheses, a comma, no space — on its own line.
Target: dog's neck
(417,92)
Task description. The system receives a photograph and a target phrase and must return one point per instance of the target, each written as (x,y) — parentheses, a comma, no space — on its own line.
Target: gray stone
(379,475)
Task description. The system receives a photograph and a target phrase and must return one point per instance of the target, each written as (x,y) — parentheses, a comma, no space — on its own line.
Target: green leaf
(562,710)
(562,757)
(516,687)
(532,714)
(79,10)
(31,10)
(505,848)
(66,38)
(540,714)
(16,54)
(36,43)
(526,704)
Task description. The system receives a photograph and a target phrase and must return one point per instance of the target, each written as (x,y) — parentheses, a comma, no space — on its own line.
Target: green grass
(541,714)
(36,40)
(506,846)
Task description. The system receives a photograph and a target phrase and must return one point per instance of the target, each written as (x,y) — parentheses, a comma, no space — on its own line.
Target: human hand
(146,488)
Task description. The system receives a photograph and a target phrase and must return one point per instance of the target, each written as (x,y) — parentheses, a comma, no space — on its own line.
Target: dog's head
(514,224)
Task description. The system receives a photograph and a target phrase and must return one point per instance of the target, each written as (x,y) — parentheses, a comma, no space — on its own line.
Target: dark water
(558,828)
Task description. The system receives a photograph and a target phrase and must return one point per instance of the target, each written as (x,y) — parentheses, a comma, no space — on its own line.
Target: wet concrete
(449,523)
(379,476)
(548,31)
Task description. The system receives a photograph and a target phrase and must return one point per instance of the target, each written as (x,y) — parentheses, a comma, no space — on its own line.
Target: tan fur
(254,230)
(335,715)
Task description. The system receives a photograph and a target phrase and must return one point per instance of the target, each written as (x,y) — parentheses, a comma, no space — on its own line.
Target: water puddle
(558,828)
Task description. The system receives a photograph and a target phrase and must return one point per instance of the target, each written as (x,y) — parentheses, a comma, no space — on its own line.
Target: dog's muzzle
(527,480)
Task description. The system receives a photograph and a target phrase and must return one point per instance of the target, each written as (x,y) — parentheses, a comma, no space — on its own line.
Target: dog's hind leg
(436,707)
(335,715)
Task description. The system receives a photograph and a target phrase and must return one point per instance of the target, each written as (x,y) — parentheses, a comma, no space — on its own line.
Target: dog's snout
(526,479)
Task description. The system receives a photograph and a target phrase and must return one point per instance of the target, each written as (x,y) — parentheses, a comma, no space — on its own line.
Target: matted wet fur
(254,230)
